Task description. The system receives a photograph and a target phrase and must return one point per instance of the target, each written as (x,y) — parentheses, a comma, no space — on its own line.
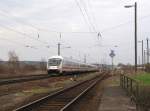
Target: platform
(115,98)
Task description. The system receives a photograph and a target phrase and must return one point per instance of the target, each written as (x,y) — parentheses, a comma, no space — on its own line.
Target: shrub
(147,67)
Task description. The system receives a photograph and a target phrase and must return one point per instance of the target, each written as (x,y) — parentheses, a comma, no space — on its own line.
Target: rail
(22,79)
(19,79)
(63,99)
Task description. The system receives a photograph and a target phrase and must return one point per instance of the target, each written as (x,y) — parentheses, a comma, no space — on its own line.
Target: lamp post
(135,33)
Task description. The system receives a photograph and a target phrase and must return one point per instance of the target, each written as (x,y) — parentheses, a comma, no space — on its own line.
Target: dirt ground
(19,87)
(29,91)
(96,99)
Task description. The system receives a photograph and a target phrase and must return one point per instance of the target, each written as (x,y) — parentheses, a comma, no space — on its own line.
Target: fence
(137,92)
(130,85)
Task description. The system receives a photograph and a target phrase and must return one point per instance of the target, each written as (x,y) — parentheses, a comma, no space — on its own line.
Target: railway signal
(112,55)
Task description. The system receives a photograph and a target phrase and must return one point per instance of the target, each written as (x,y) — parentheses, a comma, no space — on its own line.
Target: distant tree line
(14,65)
(130,68)
(127,68)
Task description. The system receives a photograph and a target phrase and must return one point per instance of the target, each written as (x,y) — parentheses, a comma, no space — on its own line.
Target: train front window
(54,62)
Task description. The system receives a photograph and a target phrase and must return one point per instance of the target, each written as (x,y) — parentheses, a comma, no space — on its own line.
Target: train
(61,65)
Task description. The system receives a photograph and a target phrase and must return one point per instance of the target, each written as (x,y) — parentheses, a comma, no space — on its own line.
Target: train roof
(70,59)
(60,57)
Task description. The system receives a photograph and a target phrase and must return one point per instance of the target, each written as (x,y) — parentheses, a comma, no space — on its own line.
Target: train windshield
(54,62)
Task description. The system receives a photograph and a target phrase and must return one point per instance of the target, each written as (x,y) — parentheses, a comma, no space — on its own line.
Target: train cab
(54,64)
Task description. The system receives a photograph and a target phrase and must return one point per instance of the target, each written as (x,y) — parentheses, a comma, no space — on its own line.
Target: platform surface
(114,97)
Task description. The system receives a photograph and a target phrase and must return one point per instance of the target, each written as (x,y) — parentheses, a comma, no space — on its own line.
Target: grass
(143,78)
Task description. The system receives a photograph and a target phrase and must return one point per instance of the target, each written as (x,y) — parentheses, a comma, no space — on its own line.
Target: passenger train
(61,65)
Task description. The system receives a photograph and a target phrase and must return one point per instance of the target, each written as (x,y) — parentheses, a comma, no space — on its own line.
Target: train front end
(54,65)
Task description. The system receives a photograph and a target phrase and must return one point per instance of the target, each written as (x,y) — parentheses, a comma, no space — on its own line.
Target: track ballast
(61,100)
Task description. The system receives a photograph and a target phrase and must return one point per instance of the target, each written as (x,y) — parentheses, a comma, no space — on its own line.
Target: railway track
(6,81)
(30,75)
(63,99)
(19,79)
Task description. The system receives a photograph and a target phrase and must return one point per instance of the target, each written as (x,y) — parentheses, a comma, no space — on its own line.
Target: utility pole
(147,51)
(144,58)
(59,49)
(142,54)
(135,7)
(59,44)
(85,58)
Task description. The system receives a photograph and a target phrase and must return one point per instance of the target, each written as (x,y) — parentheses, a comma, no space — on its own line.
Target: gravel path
(114,97)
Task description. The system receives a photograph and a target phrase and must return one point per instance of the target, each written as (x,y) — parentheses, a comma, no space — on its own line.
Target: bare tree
(2,67)
(13,62)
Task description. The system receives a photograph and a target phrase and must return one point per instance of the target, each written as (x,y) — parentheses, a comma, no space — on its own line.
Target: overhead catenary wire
(123,24)
(17,43)
(35,27)
(43,29)
(31,25)
(22,33)
(107,29)
(92,13)
(25,45)
(84,17)
(104,30)
(6,14)
(25,22)
(88,17)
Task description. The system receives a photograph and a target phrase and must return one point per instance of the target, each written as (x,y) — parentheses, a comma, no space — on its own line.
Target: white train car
(60,65)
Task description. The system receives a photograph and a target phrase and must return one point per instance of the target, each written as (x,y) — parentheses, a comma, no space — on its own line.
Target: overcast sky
(37,23)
